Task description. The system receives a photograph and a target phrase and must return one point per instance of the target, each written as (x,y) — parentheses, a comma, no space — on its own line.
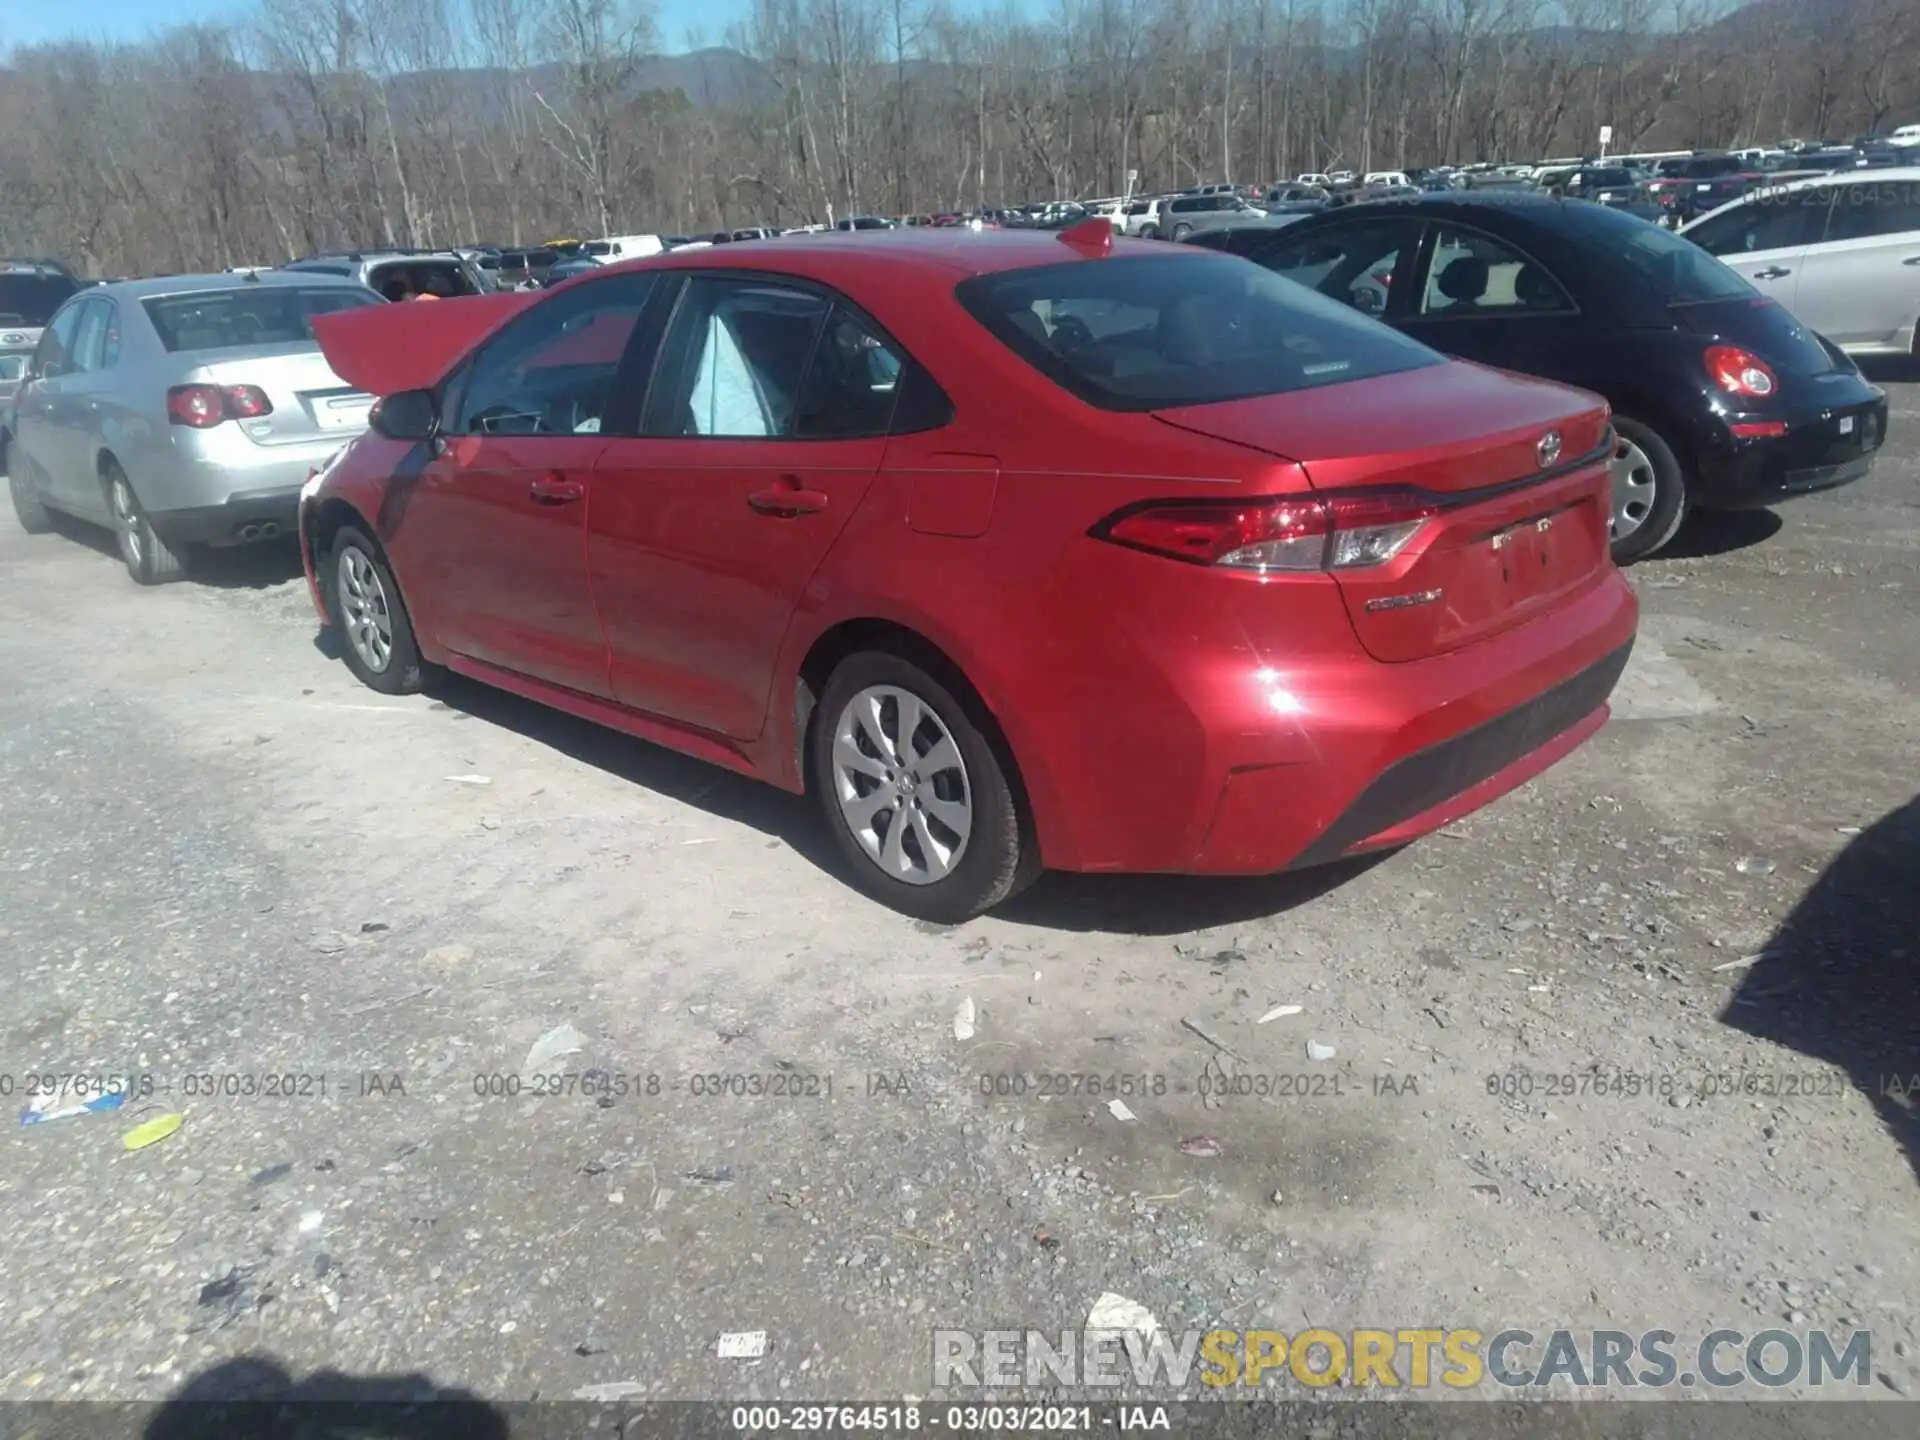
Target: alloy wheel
(902,784)
(1635,488)
(364,611)
(126,523)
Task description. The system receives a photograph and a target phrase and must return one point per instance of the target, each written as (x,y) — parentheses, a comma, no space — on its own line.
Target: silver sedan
(182,411)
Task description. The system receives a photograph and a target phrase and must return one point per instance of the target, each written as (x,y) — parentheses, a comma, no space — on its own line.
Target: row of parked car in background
(1371,586)
(188,410)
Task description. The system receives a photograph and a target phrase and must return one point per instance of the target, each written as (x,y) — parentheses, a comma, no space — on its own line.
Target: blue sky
(29,22)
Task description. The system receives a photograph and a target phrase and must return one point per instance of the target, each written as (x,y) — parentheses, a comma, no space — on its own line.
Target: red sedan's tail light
(1740,372)
(201,407)
(1295,533)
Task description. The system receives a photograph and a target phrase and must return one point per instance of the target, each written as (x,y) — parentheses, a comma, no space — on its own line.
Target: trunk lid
(1517,522)
(1761,325)
(310,402)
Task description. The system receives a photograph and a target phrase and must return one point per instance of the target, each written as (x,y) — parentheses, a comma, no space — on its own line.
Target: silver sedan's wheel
(127,527)
(902,784)
(364,612)
(1635,488)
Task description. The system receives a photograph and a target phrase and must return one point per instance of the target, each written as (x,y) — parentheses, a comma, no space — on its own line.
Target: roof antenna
(1092,237)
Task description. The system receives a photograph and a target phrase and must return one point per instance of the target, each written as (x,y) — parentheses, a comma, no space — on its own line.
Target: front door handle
(554,488)
(787,499)
(1772,272)
(1911,260)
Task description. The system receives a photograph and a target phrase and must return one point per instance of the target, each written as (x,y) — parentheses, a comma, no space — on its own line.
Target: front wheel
(915,794)
(1649,492)
(365,602)
(27,509)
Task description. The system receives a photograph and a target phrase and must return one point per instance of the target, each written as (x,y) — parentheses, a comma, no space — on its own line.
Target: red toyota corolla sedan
(1016,549)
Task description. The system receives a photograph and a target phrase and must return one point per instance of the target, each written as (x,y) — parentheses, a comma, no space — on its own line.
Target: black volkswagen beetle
(1720,398)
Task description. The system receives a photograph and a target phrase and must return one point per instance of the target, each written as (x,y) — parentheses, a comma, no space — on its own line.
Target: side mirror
(408,415)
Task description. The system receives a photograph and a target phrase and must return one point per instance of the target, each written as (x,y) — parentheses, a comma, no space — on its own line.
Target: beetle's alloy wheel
(902,784)
(1635,488)
(126,523)
(364,613)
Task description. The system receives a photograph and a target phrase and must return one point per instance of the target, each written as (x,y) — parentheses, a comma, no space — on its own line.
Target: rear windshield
(255,315)
(1607,177)
(404,279)
(1677,271)
(30,300)
(1154,332)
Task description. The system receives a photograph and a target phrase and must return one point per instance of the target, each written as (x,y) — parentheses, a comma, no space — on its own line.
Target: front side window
(1194,328)
(1474,274)
(252,314)
(54,355)
(1784,221)
(552,370)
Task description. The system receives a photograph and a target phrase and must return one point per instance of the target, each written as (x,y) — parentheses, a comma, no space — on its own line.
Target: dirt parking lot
(1628,1049)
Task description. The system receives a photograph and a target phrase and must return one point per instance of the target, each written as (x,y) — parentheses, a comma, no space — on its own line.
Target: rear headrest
(1465,278)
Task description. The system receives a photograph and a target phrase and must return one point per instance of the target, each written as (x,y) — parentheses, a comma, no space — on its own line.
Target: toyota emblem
(1548,450)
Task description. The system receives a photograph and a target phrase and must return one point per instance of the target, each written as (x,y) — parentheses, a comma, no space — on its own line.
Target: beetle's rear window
(1197,328)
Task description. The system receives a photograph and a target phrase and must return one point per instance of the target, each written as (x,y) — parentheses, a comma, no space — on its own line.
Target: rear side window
(250,315)
(1152,332)
(1867,210)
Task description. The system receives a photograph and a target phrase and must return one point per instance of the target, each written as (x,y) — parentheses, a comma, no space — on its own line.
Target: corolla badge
(1548,450)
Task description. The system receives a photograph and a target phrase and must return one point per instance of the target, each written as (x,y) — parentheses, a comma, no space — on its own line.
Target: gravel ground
(288,901)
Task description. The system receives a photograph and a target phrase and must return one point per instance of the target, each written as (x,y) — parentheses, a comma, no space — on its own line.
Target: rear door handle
(1772,272)
(1911,260)
(554,488)
(788,500)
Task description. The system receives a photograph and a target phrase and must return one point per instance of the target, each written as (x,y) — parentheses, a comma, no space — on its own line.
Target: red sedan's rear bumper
(1222,753)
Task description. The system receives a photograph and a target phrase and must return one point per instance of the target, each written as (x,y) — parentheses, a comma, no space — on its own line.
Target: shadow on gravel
(721,793)
(239,567)
(1837,981)
(255,1398)
(1720,532)
(1126,904)
(1173,904)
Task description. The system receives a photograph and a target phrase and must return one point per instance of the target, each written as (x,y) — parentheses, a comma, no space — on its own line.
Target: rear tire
(148,558)
(927,820)
(27,509)
(1650,499)
(364,599)
(1182,230)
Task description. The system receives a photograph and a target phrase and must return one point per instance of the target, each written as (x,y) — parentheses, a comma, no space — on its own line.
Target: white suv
(1842,252)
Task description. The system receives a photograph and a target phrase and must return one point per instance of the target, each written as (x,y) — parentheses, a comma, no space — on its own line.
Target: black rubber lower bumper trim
(1438,773)
(221,524)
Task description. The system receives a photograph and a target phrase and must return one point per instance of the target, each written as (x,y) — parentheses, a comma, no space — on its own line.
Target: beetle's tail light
(1741,373)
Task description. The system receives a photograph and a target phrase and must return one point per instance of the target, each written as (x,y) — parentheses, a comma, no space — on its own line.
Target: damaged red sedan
(1014,549)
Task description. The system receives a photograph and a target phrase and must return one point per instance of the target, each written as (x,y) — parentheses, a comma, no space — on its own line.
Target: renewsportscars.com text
(1401,1358)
